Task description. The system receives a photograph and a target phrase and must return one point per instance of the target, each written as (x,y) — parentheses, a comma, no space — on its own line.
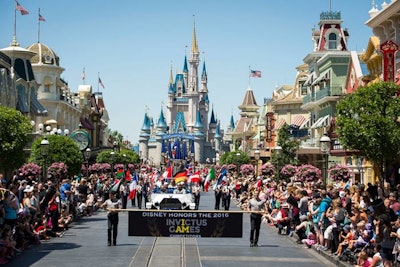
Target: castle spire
(195,48)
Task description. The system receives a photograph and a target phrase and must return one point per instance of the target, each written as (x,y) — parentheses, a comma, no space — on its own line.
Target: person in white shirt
(110,204)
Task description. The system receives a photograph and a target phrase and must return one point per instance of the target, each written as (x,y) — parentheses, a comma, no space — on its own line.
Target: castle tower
(199,139)
(144,138)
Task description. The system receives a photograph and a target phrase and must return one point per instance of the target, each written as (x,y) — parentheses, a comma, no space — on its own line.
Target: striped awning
(306,124)
(298,120)
(322,122)
(279,125)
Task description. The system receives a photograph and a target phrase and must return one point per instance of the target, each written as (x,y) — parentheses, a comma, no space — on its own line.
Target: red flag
(128,175)
(168,172)
(21,9)
(41,18)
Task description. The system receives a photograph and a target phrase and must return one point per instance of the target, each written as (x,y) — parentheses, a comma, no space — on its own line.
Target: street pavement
(85,244)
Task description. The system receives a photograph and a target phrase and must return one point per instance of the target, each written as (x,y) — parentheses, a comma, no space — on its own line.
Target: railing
(311,142)
(324,92)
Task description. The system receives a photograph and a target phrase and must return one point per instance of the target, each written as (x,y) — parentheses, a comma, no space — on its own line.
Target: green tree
(287,155)
(368,121)
(234,157)
(131,157)
(14,135)
(61,149)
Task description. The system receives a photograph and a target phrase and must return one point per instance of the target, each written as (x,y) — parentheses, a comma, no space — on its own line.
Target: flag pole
(14,41)
(38,38)
(98,81)
(249,76)
(83,76)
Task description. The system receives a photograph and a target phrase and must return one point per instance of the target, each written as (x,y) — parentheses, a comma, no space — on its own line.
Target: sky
(131,45)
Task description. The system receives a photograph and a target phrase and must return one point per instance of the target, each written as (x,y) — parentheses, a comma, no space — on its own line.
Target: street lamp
(257,158)
(112,154)
(278,150)
(325,143)
(44,147)
(116,146)
(87,155)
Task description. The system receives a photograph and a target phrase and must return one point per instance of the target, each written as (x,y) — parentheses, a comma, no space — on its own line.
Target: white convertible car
(169,201)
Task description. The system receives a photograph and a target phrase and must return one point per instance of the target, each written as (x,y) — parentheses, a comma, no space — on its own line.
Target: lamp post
(278,150)
(116,146)
(112,154)
(238,163)
(124,159)
(257,158)
(325,147)
(87,155)
(44,147)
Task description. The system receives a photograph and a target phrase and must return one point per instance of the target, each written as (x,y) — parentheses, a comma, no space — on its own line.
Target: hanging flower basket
(288,171)
(99,168)
(340,172)
(267,169)
(247,169)
(232,167)
(58,170)
(29,169)
(308,173)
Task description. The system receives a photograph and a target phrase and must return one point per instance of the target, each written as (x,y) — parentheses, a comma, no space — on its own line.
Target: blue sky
(132,44)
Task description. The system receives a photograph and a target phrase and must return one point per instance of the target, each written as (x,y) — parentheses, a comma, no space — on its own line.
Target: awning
(321,122)
(22,104)
(325,75)
(36,107)
(279,125)
(298,120)
(310,79)
(306,124)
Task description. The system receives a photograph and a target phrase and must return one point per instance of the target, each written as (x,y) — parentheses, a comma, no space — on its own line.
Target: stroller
(351,255)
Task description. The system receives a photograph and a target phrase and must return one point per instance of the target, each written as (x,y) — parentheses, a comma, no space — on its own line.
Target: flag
(212,173)
(221,176)
(21,9)
(101,83)
(180,176)
(128,175)
(207,182)
(83,74)
(41,18)
(168,172)
(195,178)
(120,173)
(255,73)
(132,187)
(116,186)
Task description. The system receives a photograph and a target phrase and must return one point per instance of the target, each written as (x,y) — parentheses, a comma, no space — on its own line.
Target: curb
(324,254)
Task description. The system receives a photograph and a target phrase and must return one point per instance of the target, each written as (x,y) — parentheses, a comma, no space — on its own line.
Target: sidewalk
(325,254)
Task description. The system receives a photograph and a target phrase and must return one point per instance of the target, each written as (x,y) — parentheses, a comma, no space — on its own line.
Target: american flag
(21,8)
(255,73)
(101,83)
(41,18)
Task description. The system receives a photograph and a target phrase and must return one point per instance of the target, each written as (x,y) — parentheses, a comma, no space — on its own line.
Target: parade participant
(112,231)
(139,193)
(255,206)
(218,194)
(196,194)
(180,189)
(226,195)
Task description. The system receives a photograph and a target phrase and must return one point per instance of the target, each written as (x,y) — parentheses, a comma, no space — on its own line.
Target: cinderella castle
(184,131)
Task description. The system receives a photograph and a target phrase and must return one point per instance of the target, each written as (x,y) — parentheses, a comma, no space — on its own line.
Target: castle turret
(144,138)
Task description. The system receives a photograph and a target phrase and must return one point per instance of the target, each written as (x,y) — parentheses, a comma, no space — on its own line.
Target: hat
(346,227)
(24,182)
(285,206)
(28,189)
(342,194)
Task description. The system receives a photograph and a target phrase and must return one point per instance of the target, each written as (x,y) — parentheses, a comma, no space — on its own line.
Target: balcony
(322,93)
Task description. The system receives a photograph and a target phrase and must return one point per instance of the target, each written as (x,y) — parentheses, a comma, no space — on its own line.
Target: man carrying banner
(112,203)
(255,206)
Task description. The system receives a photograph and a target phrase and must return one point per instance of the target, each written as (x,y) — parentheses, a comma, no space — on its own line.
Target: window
(332,44)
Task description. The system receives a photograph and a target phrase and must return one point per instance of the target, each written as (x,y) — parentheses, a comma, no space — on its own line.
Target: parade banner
(185,223)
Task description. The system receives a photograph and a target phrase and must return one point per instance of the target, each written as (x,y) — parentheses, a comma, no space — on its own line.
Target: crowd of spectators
(350,221)
(32,212)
